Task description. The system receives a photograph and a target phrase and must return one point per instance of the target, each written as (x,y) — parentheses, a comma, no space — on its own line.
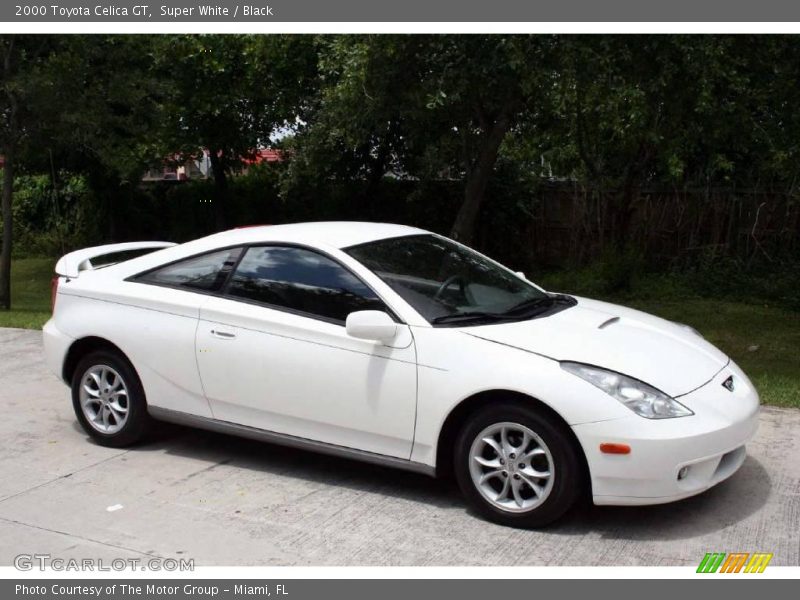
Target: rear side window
(206,272)
(301,280)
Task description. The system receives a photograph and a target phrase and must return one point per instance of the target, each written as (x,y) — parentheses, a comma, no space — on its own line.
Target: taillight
(53,292)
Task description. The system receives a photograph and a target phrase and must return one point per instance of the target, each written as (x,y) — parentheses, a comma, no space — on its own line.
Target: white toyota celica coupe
(397,346)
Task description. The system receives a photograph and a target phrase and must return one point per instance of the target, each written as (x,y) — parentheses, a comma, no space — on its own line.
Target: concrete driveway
(226,501)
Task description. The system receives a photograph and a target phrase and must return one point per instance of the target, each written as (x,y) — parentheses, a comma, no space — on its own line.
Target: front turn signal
(609,448)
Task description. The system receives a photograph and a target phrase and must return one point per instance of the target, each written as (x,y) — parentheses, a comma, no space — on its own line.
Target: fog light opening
(683,473)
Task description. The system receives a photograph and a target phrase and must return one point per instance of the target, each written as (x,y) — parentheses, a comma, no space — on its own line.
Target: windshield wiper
(463,317)
(524,310)
(530,304)
(536,306)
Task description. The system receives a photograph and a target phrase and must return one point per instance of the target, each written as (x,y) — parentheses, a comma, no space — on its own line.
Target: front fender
(454,367)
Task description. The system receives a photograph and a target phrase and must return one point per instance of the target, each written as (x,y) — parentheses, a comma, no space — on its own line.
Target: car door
(153,316)
(273,353)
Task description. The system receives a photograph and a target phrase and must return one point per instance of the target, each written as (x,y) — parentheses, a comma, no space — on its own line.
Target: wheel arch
(83,346)
(459,415)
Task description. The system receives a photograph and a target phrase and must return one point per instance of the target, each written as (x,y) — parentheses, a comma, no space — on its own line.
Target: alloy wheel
(104,399)
(511,467)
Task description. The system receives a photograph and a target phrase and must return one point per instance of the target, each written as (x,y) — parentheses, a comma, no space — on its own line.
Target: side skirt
(262,435)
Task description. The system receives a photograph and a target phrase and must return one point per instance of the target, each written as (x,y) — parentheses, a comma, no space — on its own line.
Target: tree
(684,111)
(84,103)
(427,105)
(482,88)
(21,58)
(10,138)
(230,95)
(101,100)
(363,122)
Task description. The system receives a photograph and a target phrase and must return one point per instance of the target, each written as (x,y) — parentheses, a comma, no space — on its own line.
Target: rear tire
(518,466)
(109,399)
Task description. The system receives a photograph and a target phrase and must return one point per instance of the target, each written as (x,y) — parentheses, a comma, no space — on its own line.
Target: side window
(301,280)
(206,272)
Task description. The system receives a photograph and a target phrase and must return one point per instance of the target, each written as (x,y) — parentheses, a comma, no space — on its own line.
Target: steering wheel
(448,282)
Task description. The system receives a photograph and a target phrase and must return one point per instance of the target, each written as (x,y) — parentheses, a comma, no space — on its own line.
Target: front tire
(517,466)
(109,400)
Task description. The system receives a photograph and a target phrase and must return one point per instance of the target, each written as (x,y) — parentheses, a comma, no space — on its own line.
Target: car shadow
(221,449)
(722,506)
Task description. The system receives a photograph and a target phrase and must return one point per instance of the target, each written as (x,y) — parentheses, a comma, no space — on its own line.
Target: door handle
(223,335)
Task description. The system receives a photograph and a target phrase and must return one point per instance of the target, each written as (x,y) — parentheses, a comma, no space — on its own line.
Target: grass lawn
(30,293)
(763,340)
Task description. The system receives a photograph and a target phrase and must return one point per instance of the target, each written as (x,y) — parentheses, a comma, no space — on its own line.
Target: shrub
(50,220)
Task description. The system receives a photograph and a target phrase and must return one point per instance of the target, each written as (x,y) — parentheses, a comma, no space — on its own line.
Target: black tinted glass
(206,272)
(301,280)
(439,277)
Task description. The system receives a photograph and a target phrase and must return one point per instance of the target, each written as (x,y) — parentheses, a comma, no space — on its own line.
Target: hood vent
(608,322)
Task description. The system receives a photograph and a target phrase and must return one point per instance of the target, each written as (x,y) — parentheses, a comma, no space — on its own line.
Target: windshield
(448,283)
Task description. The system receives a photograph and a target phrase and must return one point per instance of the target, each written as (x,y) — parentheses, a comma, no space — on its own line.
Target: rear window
(206,272)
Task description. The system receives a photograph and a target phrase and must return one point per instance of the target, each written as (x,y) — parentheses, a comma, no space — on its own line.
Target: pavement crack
(194,474)
(79,537)
(60,477)
(208,468)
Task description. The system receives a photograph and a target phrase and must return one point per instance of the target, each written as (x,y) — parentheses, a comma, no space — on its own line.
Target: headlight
(645,400)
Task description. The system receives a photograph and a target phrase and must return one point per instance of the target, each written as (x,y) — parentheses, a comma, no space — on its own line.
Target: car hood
(664,354)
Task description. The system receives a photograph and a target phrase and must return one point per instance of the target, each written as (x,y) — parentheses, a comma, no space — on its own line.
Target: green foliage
(414,128)
(619,269)
(229,93)
(722,278)
(95,101)
(761,339)
(48,220)
(716,276)
(30,300)
(426,107)
(229,96)
(72,105)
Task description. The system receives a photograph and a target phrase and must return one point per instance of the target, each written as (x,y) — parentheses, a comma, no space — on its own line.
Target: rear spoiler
(70,265)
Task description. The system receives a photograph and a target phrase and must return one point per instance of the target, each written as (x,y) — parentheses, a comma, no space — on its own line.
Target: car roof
(323,235)
(335,234)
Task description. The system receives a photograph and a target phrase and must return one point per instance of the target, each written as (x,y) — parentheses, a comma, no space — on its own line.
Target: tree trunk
(9,152)
(625,211)
(630,199)
(5,254)
(376,170)
(478,174)
(220,189)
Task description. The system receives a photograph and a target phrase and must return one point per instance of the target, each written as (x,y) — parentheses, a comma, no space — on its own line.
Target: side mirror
(370,325)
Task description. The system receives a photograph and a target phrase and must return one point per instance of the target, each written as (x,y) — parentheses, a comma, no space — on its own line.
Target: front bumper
(710,445)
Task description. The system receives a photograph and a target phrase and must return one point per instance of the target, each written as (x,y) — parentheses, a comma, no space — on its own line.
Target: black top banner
(400,11)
